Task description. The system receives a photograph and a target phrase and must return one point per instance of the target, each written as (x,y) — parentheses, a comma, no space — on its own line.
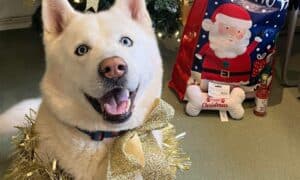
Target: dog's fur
(67,77)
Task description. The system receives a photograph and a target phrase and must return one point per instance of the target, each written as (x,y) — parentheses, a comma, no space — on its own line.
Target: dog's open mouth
(116,106)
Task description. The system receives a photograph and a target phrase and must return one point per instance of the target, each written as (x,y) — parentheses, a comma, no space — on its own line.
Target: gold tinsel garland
(165,161)
(26,163)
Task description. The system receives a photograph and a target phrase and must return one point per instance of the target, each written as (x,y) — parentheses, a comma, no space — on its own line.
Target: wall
(16,14)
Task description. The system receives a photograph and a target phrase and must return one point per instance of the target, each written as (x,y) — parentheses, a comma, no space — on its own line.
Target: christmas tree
(165,14)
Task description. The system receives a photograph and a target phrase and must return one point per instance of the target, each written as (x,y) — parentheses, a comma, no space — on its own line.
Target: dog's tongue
(117,102)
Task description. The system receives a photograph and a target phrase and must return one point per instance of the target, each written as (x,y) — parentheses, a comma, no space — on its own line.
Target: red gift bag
(228,42)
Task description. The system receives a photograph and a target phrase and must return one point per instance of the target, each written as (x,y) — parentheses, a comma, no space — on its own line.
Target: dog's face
(103,70)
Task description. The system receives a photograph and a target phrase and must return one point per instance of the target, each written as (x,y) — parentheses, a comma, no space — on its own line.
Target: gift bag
(228,42)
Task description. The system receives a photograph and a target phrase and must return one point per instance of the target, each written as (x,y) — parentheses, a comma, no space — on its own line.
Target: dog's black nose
(113,68)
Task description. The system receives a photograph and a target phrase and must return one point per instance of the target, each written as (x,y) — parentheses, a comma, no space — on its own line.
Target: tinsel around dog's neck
(135,151)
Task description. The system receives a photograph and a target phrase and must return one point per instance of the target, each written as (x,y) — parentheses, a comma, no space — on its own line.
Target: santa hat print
(231,14)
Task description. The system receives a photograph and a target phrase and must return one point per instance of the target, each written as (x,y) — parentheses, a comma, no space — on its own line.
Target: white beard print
(226,47)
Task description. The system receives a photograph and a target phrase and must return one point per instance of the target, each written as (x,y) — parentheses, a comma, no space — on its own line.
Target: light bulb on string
(77,1)
(176,33)
(159,34)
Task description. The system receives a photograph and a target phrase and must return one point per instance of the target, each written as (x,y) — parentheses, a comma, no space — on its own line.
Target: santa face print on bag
(226,55)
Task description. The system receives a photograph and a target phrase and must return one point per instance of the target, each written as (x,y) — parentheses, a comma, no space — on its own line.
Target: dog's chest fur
(75,152)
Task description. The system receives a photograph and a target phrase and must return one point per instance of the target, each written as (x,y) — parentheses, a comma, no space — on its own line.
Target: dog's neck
(101,135)
(97,135)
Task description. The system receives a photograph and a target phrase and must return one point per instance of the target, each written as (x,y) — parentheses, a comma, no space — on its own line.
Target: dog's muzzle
(116,106)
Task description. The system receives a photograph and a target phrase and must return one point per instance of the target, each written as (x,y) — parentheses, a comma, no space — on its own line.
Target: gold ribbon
(138,151)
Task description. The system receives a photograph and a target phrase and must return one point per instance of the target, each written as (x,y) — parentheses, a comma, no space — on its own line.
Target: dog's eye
(126,41)
(82,50)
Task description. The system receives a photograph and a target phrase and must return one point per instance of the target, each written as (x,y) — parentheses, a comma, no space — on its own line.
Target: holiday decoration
(261,97)
(198,101)
(227,42)
(135,151)
(263,64)
(228,61)
(165,14)
(92,4)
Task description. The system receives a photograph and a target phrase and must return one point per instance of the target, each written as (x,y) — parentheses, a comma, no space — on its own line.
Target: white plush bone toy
(198,101)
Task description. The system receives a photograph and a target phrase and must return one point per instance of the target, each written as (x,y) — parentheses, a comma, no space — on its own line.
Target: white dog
(103,73)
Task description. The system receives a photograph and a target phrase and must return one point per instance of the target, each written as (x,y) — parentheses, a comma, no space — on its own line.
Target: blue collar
(101,135)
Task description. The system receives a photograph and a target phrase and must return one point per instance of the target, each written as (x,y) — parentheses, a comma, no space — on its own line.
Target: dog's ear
(56,15)
(136,9)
